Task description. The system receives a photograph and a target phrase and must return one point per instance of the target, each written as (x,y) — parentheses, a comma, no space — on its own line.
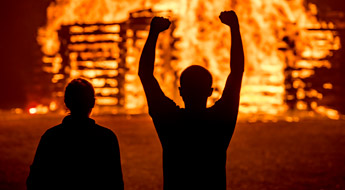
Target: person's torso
(194,148)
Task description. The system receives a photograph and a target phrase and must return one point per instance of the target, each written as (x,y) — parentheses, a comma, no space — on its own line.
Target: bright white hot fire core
(203,40)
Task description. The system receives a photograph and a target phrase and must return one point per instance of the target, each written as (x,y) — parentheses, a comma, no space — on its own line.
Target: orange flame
(205,41)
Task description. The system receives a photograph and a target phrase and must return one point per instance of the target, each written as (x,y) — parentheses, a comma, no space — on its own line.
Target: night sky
(19,51)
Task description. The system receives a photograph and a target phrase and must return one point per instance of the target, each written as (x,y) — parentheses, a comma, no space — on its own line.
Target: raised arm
(231,93)
(146,64)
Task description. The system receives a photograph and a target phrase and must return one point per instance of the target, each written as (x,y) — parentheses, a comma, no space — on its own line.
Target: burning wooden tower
(289,52)
(107,55)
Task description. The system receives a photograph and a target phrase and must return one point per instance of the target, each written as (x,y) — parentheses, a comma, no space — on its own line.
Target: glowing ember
(277,36)
(32,110)
(39,109)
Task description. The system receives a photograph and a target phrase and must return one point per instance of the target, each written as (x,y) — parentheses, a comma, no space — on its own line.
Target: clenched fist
(159,24)
(229,18)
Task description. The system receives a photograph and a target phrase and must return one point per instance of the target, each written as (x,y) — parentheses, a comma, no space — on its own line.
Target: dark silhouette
(194,139)
(77,154)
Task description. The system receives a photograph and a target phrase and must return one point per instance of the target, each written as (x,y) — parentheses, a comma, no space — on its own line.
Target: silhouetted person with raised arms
(194,139)
(77,154)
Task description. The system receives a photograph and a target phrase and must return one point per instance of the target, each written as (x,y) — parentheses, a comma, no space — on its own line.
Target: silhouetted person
(194,139)
(77,154)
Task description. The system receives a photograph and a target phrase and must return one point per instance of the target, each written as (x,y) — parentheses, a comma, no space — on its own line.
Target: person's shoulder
(105,131)
(216,106)
(53,130)
(52,133)
(220,110)
(163,102)
(164,107)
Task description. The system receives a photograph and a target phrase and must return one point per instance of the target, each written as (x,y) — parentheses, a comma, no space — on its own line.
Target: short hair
(196,77)
(79,96)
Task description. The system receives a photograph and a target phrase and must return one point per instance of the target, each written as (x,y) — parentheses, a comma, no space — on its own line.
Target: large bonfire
(205,41)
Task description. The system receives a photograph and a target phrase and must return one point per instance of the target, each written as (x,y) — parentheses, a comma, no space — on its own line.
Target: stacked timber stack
(107,54)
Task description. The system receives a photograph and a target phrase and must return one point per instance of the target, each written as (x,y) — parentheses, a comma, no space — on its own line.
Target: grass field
(309,154)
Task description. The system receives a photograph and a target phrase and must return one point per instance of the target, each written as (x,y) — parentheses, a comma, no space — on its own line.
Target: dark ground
(305,155)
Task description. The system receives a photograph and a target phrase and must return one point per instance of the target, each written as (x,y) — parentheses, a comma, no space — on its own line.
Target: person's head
(195,86)
(80,97)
